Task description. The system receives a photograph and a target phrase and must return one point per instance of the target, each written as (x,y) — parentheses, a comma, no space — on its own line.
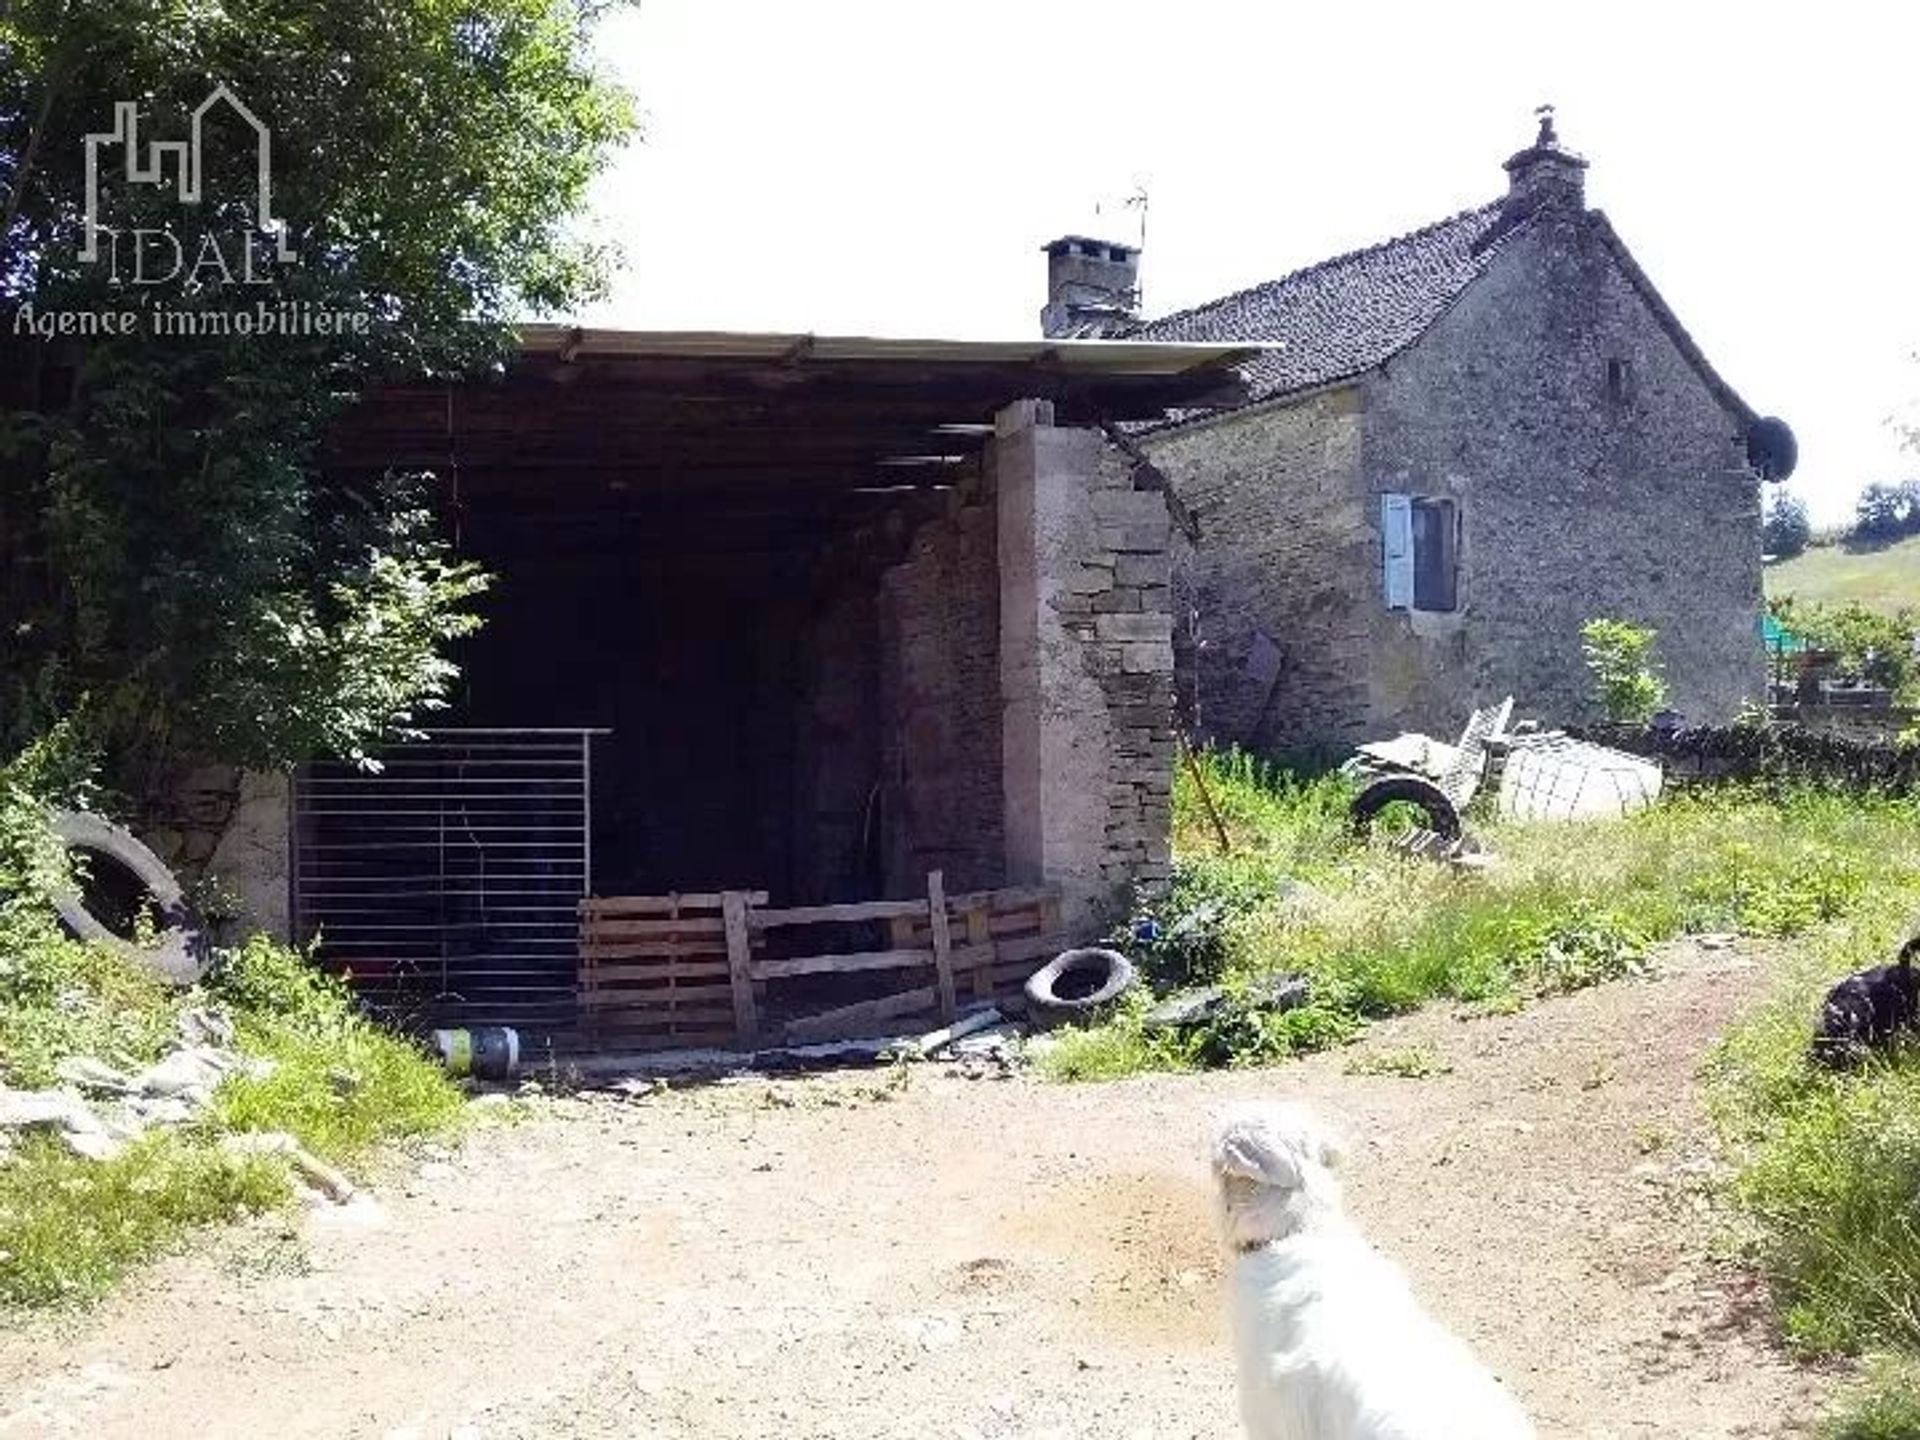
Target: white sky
(892,166)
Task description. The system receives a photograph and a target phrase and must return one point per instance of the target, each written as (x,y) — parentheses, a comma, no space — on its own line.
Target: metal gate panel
(446,884)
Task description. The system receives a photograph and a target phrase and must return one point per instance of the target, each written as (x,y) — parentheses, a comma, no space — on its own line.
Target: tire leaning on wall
(181,952)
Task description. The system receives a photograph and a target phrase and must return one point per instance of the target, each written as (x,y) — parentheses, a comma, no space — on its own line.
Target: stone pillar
(1086,666)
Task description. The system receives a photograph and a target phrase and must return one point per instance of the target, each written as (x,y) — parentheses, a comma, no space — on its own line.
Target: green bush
(1627,681)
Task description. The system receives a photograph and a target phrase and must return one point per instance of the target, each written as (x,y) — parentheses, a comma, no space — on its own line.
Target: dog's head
(1273,1165)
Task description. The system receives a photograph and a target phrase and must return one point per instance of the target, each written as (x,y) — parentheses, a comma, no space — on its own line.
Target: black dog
(1869,1010)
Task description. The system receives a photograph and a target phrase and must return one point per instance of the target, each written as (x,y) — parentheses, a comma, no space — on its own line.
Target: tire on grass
(1425,796)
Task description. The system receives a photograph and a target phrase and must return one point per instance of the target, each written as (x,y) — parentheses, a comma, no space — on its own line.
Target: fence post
(746,1019)
(942,944)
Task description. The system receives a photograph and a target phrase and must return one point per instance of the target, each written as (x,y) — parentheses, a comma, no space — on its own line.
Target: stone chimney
(1545,174)
(1093,288)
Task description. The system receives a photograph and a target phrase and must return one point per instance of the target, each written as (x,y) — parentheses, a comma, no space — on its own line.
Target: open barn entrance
(773,575)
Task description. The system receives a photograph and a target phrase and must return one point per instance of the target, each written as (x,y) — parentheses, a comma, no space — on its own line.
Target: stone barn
(1465,443)
(826,684)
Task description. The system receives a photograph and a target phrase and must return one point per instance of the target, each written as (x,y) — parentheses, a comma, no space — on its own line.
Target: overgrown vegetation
(339,1084)
(1829,1164)
(1376,934)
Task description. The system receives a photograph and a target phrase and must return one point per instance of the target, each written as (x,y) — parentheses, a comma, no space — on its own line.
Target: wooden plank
(836,914)
(847,1019)
(746,1020)
(599,927)
(1027,950)
(1000,901)
(615,905)
(978,934)
(664,960)
(942,944)
(904,932)
(650,1017)
(839,964)
(629,994)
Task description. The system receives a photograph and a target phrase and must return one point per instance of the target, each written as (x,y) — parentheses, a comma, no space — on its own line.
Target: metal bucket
(486,1052)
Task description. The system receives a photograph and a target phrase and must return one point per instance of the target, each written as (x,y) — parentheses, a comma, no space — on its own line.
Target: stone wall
(226,833)
(1581,494)
(1086,666)
(939,681)
(1272,611)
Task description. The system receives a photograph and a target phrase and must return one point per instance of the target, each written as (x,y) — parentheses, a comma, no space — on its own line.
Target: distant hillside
(1885,580)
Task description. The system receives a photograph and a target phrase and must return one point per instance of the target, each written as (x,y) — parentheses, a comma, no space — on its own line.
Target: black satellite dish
(1771,448)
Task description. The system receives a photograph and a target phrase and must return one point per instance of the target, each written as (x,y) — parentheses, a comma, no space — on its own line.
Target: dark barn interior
(763,569)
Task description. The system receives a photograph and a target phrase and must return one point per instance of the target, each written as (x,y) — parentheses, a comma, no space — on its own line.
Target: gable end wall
(1575,502)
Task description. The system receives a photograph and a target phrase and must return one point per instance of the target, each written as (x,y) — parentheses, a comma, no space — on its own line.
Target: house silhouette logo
(182,159)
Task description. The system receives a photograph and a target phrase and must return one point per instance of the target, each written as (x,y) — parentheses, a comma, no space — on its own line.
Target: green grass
(1825,1192)
(1884,1405)
(70,1227)
(339,1084)
(1828,1166)
(1887,580)
(1566,906)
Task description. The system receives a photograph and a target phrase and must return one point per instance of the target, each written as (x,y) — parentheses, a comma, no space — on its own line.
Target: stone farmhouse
(1468,441)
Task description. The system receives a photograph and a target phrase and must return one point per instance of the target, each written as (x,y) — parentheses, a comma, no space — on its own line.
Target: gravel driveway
(851,1257)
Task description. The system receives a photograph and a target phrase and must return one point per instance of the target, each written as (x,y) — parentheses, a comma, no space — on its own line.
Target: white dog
(1331,1343)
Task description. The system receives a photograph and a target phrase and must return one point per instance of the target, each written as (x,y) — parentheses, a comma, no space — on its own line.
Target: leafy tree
(172,550)
(1865,645)
(1626,677)
(1887,512)
(1787,530)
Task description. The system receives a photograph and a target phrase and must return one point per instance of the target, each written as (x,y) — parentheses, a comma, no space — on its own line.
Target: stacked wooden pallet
(654,972)
(663,972)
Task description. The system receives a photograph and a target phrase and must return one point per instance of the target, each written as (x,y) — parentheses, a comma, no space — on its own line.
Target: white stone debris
(99,1107)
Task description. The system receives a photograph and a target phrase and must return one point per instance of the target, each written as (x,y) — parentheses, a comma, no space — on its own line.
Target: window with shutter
(1420,547)
(1396,529)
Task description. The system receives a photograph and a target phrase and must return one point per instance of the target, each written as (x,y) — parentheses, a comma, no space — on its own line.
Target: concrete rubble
(99,1107)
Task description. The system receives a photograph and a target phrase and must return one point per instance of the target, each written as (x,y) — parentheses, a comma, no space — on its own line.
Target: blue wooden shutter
(1396,530)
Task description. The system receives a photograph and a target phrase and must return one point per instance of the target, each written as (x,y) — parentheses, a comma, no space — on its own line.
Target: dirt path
(968,1260)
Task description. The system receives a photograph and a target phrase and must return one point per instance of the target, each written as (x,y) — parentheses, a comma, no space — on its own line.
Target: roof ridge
(1331,260)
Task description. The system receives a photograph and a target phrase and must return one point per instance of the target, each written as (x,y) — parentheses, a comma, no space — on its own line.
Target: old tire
(1076,983)
(181,952)
(1441,818)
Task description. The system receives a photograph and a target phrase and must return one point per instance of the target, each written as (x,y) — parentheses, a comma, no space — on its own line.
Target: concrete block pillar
(1086,665)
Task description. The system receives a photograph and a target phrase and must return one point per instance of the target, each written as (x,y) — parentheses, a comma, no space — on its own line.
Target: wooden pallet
(667,972)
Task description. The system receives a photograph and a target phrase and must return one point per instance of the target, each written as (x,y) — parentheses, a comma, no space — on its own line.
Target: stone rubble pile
(99,1107)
